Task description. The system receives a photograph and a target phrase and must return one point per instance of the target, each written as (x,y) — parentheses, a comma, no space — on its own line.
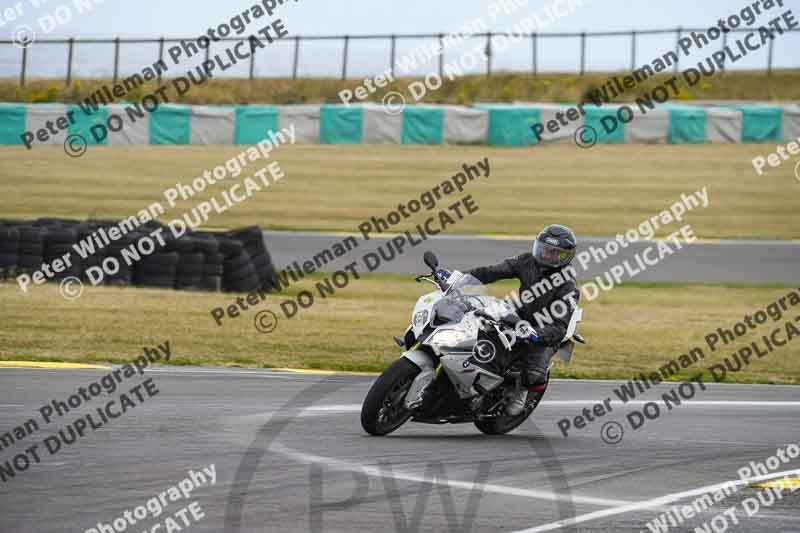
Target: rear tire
(384,407)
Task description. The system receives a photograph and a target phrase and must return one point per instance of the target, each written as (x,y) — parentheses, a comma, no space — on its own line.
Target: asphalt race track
(290,455)
(701,262)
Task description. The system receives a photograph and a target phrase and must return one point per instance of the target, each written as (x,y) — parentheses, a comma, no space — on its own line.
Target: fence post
(161,56)
(769,57)
(344,56)
(489,54)
(116,59)
(392,54)
(488,51)
(724,44)
(70,47)
(296,62)
(583,53)
(441,55)
(24,66)
(252,64)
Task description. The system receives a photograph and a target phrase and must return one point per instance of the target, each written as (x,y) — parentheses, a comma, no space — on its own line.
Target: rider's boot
(536,362)
(516,403)
(537,376)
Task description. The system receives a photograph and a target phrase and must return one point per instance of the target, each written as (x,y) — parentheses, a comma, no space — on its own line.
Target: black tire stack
(124,276)
(253,240)
(239,272)
(9,249)
(189,272)
(156,270)
(95,259)
(31,248)
(208,245)
(58,241)
(236,261)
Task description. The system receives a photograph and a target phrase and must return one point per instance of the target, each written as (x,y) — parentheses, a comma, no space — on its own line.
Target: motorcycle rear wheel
(384,407)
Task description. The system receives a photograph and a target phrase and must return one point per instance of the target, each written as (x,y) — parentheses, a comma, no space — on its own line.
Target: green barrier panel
(511,125)
(170,124)
(341,125)
(12,123)
(606,123)
(83,124)
(423,125)
(687,125)
(253,123)
(761,124)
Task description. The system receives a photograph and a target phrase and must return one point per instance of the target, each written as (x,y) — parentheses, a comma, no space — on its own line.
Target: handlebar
(507,320)
(437,277)
(441,285)
(481,314)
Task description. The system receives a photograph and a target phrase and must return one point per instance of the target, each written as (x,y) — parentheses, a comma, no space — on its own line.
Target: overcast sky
(182,18)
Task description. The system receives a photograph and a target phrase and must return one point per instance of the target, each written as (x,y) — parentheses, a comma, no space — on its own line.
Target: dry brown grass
(466,90)
(632,329)
(601,191)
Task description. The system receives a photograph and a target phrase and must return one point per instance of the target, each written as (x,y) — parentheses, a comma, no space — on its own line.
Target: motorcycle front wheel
(384,407)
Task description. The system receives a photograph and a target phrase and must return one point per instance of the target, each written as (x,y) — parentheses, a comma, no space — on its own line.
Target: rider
(543,281)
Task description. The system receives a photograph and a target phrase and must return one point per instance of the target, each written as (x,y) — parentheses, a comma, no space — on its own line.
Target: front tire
(384,407)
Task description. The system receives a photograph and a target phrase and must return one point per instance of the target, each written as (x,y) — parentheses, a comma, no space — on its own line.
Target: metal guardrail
(393,39)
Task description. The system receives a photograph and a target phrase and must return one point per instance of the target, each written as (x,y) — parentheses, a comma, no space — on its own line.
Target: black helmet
(554,247)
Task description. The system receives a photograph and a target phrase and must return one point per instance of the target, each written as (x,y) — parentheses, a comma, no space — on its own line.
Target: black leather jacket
(539,289)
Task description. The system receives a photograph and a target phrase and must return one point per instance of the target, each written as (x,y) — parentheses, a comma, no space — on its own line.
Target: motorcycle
(437,381)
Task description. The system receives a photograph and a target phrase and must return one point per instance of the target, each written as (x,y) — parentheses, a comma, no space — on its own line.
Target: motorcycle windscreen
(447,311)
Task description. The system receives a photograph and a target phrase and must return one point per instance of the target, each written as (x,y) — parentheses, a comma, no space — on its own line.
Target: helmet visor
(550,255)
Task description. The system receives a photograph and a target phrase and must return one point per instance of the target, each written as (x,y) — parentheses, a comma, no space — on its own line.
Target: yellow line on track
(323,372)
(784,483)
(41,364)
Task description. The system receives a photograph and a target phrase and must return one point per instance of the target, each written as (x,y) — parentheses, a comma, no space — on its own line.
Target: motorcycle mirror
(430,260)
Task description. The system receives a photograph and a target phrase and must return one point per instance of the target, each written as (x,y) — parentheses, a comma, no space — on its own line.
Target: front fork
(426,377)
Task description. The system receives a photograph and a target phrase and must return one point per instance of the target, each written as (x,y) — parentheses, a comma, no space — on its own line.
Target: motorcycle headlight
(448,337)
(420,318)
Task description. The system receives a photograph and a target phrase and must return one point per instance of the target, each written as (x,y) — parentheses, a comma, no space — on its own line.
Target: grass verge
(602,191)
(632,329)
(465,90)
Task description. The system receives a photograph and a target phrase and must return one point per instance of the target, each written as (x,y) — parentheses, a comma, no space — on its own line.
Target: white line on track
(653,503)
(296,376)
(620,507)
(375,471)
(264,373)
(176,370)
(347,408)
(522,238)
(690,403)
(710,384)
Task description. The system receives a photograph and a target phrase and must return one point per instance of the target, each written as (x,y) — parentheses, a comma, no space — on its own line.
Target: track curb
(43,364)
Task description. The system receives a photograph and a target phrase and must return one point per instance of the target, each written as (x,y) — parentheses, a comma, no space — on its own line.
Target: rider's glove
(442,275)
